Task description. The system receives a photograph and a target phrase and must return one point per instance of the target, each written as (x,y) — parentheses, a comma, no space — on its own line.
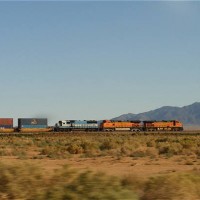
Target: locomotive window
(91,122)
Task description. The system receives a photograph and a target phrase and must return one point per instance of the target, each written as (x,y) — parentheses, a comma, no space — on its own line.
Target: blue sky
(97,60)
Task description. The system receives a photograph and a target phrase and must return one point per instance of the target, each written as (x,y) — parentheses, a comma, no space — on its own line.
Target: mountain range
(188,115)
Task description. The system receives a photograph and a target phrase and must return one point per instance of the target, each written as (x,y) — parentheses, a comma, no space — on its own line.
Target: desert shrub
(27,182)
(162,139)
(151,143)
(95,144)
(152,152)
(88,185)
(198,153)
(90,148)
(19,152)
(173,187)
(169,149)
(138,153)
(75,149)
(54,152)
(82,145)
(13,151)
(126,150)
(188,143)
(108,144)
(134,183)
(20,182)
(5,152)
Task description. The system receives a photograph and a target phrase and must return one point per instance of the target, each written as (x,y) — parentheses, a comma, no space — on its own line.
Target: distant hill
(189,115)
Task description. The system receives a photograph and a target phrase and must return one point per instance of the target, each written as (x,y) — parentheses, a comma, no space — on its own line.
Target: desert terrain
(137,162)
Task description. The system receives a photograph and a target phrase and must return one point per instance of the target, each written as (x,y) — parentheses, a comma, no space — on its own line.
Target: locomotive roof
(134,121)
(151,121)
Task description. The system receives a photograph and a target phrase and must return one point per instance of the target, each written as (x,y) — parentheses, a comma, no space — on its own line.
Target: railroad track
(81,133)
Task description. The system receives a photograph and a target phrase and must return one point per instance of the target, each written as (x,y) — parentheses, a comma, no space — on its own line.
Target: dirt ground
(125,166)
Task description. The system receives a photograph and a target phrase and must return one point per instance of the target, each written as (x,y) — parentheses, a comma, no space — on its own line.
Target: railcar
(33,125)
(172,125)
(74,125)
(109,125)
(6,125)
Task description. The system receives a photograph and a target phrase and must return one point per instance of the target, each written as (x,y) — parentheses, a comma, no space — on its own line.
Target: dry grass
(93,145)
(68,184)
(26,182)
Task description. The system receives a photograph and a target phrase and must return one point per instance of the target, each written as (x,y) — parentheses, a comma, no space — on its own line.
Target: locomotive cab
(62,125)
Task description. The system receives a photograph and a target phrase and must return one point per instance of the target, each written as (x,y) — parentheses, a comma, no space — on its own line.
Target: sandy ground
(126,166)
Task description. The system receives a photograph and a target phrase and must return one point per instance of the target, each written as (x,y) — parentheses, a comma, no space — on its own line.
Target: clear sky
(97,60)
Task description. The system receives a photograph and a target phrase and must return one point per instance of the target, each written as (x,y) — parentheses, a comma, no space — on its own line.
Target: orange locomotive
(172,125)
(108,125)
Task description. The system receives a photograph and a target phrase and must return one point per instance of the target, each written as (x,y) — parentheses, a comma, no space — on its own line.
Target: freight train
(41,125)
